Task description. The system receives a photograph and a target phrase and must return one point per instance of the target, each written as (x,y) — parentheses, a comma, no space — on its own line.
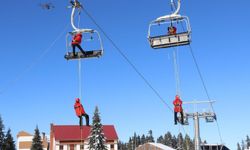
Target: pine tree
(188,144)
(180,140)
(168,139)
(174,142)
(242,145)
(9,143)
(36,141)
(248,142)
(1,133)
(143,139)
(160,140)
(138,140)
(150,137)
(238,146)
(96,138)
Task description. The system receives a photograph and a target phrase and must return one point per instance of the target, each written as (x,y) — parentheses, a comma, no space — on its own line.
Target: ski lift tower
(208,116)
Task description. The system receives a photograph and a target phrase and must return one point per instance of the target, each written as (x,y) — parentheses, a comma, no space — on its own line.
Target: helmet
(177,96)
(77,99)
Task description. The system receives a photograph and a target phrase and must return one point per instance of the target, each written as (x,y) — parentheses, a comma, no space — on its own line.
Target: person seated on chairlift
(172,30)
(77,39)
(80,112)
(178,109)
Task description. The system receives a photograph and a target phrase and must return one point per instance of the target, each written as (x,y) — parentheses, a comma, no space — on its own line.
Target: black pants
(176,119)
(86,118)
(74,49)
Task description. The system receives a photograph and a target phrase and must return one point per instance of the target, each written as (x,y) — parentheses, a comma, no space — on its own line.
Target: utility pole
(208,116)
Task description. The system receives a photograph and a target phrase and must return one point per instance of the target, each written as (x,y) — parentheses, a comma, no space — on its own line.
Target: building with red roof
(71,137)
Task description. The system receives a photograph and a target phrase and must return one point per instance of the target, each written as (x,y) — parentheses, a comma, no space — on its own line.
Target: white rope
(176,71)
(79,79)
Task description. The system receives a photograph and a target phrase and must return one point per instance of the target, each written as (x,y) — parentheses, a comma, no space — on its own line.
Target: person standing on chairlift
(80,112)
(172,30)
(178,109)
(77,39)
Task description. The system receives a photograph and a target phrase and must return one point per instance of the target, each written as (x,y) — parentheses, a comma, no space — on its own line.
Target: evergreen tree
(130,144)
(138,140)
(188,144)
(96,138)
(9,143)
(150,137)
(174,142)
(180,142)
(160,140)
(143,139)
(37,142)
(248,142)
(242,145)
(1,133)
(238,146)
(168,139)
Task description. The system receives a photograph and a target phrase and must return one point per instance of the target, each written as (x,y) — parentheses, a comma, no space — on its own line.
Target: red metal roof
(73,132)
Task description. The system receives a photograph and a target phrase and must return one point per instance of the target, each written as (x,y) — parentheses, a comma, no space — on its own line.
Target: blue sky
(44,93)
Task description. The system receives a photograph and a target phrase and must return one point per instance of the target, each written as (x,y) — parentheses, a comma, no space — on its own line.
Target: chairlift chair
(209,116)
(167,40)
(170,40)
(89,53)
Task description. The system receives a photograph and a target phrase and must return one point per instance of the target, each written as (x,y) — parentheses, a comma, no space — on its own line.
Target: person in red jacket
(77,39)
(178,109)
(80,112)
(172,30)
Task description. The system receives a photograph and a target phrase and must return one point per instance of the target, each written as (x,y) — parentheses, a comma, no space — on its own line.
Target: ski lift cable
(201,77)
(206,91)
(131,64)
(128,61)
(34,62)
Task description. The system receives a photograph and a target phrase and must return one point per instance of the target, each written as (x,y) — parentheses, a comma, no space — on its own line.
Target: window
(112,146)
(61,147)
(81,147)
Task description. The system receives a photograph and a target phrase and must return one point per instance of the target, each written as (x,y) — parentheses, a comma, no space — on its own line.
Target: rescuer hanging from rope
(80,112)
(178,108)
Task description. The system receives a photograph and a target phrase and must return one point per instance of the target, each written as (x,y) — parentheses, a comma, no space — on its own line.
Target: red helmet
(77,100)
(177,96)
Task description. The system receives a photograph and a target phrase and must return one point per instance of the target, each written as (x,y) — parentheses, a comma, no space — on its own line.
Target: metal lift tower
(208,116)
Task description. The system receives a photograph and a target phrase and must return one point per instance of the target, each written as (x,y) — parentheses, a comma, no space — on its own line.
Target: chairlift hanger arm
(75,5)
(173,15)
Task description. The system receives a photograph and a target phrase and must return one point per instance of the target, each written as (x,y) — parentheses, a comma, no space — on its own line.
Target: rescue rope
(81,141)
(80,79)
(176,70)
(131,64)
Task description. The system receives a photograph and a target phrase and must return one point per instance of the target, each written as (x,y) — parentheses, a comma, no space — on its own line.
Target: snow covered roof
(73,132)
(159,145)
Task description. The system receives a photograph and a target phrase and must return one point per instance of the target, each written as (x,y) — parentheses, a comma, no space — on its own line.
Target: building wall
(25,142)
(66,145)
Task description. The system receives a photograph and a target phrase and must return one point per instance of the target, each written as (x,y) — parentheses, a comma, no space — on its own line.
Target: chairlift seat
(209,119)
(185,119)
(80,55)
(166,41)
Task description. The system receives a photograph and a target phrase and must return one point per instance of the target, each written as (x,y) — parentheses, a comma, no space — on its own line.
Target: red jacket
(79,108)
(177,105)
(172,30)
(77,39)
